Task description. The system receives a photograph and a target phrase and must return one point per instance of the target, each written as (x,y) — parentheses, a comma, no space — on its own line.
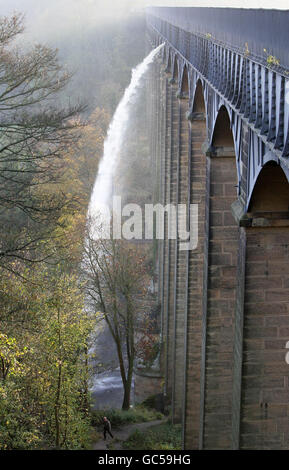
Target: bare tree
(35,131)
(117,278)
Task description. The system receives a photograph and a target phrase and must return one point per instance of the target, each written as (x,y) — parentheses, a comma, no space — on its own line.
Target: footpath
(121,434)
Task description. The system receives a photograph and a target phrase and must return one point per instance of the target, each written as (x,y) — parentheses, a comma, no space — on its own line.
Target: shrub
(161,437)
(154,402)
(138,414)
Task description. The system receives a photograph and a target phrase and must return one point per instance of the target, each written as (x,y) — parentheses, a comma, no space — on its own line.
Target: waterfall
(103,186)
(107,388)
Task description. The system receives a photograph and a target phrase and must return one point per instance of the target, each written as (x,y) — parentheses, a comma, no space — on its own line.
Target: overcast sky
(46,18)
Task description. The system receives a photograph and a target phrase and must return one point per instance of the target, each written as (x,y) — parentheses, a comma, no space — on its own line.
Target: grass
(138,414)
(161,437)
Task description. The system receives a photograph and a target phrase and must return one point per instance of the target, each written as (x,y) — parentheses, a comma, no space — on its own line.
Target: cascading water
(106,388)
(102,190)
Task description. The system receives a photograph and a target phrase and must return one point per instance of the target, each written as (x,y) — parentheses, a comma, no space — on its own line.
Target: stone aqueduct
(220,139)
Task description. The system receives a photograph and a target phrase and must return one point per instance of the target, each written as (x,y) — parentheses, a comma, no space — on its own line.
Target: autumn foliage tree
(43,367)
(44,329)
(48,163)
(117,281)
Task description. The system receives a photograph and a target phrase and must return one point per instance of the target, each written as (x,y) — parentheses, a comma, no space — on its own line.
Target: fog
(100,40)
(58,17)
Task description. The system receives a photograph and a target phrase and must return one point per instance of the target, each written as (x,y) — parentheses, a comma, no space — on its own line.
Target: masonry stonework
(195,283)
(225,304)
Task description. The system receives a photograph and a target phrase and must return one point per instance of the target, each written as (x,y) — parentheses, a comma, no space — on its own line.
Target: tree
(34,134)
(43,362)
(10,356)
(83,158)
(63,344)
(117,275)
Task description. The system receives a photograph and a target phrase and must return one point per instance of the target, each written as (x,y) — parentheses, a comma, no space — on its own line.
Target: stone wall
(198,171)
(146,384)
(225,304)
(265,383)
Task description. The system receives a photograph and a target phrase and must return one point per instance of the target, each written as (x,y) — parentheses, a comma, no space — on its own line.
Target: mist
(56,18)
(100,41)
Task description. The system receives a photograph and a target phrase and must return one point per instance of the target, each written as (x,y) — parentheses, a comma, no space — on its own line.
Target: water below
(106,385)
(107,390)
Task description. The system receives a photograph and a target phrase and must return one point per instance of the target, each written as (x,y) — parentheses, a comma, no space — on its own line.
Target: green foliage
(138,414)
(247,51)
(271,59)
(10,356)
(44,398)
(19,428)
(161,437)
(153,402)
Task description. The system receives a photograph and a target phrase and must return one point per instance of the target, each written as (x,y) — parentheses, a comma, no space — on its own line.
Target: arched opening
(199,102)
(179,193)
(195,311)
(271,191)
(169,63)
(266,313)
(222,136)
(222,287)
(185,82)
(175,70)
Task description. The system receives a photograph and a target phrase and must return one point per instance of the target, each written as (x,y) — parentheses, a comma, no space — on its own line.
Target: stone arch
(175,69)
(185,88)
(169,62)
(199,105)
(223,235)
(266,260)
(198,196)
(222,135)
(271,190)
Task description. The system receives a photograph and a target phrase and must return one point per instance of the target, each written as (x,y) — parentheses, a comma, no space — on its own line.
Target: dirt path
(121,434)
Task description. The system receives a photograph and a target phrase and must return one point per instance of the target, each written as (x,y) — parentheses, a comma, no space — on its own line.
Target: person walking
(106,427)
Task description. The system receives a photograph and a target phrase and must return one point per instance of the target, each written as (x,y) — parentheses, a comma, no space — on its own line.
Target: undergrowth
(138,414)
(161,437)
